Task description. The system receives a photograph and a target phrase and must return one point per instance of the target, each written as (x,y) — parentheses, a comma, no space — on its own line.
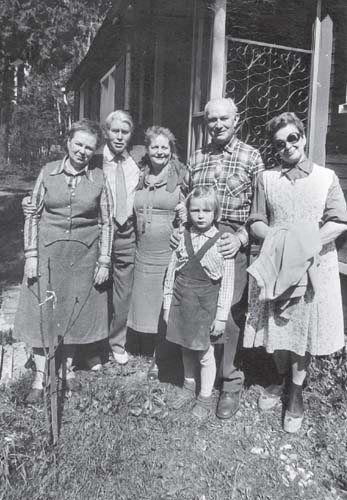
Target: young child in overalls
(198,291)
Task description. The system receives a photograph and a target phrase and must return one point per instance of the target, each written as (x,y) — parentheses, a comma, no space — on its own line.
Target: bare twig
(52,371)
(235,481)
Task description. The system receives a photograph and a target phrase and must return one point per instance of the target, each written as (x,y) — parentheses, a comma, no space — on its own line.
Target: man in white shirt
(122,173)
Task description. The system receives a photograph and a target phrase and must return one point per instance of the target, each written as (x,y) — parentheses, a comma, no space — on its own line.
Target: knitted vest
(70,214)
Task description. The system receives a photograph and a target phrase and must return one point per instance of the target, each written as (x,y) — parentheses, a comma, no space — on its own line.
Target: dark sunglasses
(292,138)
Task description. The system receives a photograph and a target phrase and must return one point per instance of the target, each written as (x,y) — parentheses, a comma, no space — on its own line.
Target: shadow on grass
(259,367)
(167,355)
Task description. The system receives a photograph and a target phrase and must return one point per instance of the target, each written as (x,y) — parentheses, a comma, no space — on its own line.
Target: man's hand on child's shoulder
(228,245)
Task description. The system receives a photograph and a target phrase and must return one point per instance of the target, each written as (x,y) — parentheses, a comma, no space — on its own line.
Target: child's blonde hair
(205,192)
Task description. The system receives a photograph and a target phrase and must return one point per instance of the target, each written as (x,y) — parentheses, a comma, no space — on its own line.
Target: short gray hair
(89,126)
(155,131)
(122,115)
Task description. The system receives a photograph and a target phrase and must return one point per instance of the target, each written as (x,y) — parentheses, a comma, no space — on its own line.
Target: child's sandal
(202,407)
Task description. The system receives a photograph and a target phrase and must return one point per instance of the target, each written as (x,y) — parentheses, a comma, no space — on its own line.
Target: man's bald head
(221,118)
(226,102)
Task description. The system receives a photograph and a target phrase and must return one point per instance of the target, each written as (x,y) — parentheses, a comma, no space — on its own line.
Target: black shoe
(228,404)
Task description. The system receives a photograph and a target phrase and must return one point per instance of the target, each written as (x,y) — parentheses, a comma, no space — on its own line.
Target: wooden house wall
(337,131)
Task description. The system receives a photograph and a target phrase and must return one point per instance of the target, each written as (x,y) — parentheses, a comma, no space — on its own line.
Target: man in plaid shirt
(231,166)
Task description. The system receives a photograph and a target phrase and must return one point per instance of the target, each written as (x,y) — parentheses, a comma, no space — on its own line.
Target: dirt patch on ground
(12,190)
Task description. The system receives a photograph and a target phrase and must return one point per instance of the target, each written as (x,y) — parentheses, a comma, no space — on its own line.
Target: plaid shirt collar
(63,168)
(213,148)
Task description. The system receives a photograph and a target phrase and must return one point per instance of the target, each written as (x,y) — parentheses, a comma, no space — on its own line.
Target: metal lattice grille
(265,80)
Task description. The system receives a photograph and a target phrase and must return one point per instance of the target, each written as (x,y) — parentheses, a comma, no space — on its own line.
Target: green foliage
(41,41)
(45,33)
(38,119)
(272,21)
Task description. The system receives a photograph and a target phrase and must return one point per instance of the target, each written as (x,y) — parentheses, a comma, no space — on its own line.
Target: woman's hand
(217,328)
(30,268)
(28,207)
(101,274)
(181,211)
(175,237)
(228,245)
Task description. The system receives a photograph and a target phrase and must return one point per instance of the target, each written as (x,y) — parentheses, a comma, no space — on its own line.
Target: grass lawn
(120,440)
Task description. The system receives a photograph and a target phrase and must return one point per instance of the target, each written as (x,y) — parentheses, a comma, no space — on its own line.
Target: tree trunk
(5,109)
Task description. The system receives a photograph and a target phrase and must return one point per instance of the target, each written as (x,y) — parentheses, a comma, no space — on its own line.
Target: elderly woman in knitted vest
(67,246)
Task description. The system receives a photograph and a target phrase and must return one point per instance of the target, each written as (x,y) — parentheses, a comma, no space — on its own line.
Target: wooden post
(127,83)
(158,73)
(218,50)
(320,86)
(141,87)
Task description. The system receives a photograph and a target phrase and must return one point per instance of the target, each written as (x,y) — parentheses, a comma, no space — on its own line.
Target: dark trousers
(230,373)
(123,260)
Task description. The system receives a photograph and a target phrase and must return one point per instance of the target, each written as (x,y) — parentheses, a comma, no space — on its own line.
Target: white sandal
(292,423)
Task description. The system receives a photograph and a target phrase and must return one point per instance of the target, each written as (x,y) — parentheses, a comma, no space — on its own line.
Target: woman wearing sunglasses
(295,308)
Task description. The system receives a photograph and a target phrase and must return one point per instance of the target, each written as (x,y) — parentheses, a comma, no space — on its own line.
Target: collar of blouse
(172,175)
(297,171)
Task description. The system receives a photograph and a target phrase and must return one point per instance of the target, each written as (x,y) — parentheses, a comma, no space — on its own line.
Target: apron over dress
(194,302)
(316,325)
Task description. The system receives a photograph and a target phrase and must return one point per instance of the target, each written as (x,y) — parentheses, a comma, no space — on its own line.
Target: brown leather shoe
(228,404)
(34,396)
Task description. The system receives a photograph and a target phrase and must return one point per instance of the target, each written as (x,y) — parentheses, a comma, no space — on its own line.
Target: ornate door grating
(265,80)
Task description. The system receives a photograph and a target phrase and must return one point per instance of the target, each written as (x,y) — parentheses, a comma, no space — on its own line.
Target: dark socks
(295,403)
